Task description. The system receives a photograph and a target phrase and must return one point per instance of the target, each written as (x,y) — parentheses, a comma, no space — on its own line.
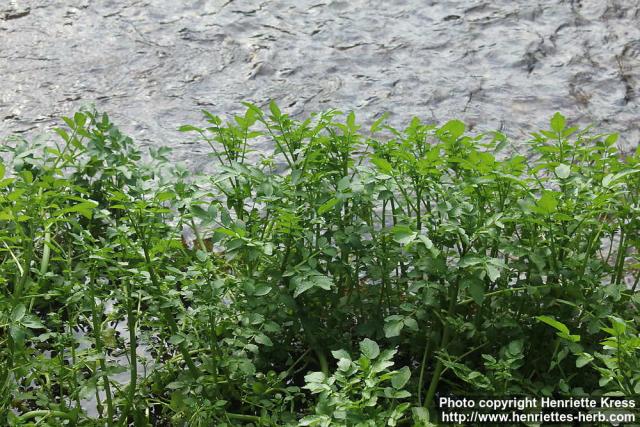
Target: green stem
(97,332)
(622,250)
(243,417)
(45,413)
(27,266)
(635,283)
(133,356)
(203,247)
(435,379)
(502,291)
(46,253)
(553,356)
(173,326)
(423,366)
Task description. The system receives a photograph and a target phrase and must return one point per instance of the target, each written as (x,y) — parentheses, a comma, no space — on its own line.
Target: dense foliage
(346,278)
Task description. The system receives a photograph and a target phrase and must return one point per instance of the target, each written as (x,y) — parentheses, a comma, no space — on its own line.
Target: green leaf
(382,164)
(314,280)
(583,360)
(369,348)
(453,129)
(344,184)
(262,289)
(558,122)
(403,234)
(548,203)
(421,416)
(476,291)
(296,174)
(301,287)
(572,338)
(321,281)
(344,364)
(189,128)
(315,420)
(387,354)
(393,328)
(84,208)
(618,325)
(275,110)
(247,367)
(2,170)
(401,394)
(492,271)
(201,255)
(380,365)
(166,195)
(611,139)
(470,260)
(18,333)
(400,379)
(563,171)
(79,119)
(207,216)
(62,133)
(32,322)
(411,323)
(341,354)
(263,339)
(27,176)
(351,122)
(426,241)
(611,180)
(328,205)
(314,377)
(177,339)
(18,313)
(377,123)
(554,323)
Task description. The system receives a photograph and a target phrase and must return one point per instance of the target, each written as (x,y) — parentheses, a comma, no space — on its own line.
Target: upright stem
(133,355)
(622,251)
(166,312)
(46,252)
(203,247)
(97,332)
(19,289)
(423,366)
(435,379)
(173,326)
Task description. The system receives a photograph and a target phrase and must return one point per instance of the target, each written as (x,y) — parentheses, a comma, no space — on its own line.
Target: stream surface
(153,65)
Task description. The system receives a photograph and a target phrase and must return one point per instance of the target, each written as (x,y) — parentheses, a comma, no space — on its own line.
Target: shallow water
(154,64)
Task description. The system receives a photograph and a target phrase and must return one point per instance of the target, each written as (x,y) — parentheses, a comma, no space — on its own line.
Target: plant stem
(46,253)
(423,366)
(133,355)
(97,332)
(435,379)
(173,326)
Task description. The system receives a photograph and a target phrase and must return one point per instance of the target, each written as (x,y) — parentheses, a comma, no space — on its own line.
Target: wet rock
(13,11)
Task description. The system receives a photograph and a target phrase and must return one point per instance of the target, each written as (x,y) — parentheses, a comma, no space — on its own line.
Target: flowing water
(153,65)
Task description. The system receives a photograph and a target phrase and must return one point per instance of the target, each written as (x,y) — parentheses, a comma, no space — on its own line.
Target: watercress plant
(136,292)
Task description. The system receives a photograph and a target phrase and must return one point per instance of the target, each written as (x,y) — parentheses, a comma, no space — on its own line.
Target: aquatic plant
(476,270)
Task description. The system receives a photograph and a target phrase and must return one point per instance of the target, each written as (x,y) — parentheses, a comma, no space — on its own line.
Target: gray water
(153,65)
